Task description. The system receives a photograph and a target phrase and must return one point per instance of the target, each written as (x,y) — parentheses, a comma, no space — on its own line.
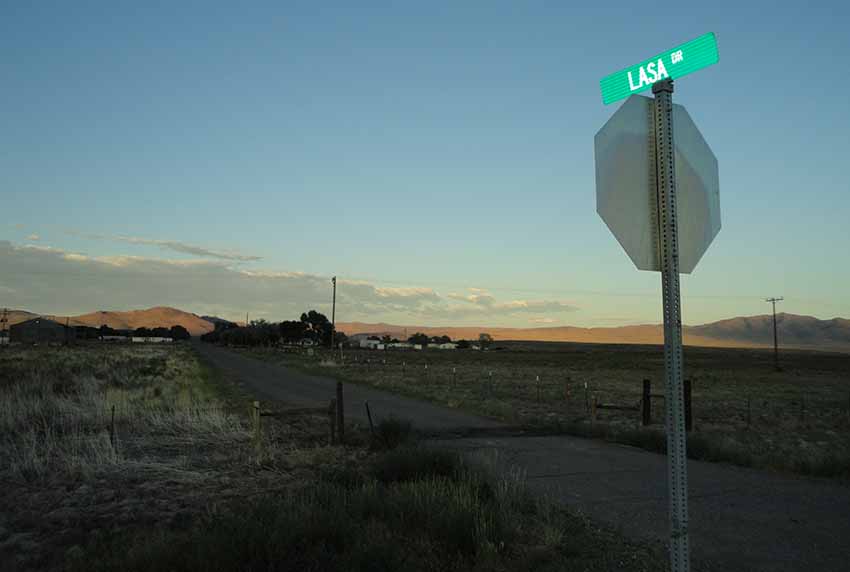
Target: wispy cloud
(173,245)
(39,275)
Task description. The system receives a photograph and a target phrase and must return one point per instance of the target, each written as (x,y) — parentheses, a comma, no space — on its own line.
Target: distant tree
(178,332)
(374,338)
(441,340)
(418,338)
(463,345)
(484,340)
(107,331)
(292,332)
(160,332)
(387,339)
(142,333)
(319,327)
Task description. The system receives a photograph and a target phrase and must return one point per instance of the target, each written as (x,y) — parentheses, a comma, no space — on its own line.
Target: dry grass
(797,419)
(56,407)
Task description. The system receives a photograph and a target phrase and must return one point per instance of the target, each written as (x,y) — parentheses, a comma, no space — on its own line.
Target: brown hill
(129,320)
(802,332)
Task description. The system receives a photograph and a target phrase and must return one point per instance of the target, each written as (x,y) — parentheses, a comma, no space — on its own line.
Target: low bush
(391,432)
(415,463)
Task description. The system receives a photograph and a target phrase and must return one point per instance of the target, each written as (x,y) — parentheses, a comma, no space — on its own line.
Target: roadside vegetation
(745,413)
(181,482)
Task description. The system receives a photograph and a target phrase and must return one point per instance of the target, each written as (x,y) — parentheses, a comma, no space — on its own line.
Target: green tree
(418,338)
(319,327)
(178,332)
(484,340)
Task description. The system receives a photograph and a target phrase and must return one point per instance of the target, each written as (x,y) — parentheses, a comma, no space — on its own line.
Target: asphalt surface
(740,519)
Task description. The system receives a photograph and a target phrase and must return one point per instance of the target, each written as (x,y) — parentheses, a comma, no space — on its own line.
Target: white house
(150,340)
(446,346)
(371,344)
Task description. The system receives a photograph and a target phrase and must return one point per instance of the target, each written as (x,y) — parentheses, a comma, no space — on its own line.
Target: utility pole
(775,338)
(333,314)
(246,319)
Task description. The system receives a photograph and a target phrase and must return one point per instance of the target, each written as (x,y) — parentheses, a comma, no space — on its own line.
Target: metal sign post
(664,219)
(677,474)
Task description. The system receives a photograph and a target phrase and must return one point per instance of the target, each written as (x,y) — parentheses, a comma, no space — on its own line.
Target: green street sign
(681,60)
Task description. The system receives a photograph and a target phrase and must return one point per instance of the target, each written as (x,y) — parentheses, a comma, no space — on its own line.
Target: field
(141,458)
(745,412)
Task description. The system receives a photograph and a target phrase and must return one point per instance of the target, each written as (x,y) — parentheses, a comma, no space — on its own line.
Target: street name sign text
(674,63)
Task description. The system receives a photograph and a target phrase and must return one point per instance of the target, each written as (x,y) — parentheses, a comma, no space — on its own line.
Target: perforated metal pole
(677,469)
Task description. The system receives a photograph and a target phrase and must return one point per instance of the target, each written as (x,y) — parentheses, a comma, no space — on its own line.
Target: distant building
(41,331)
(150,340)
(445,346)
(371,344)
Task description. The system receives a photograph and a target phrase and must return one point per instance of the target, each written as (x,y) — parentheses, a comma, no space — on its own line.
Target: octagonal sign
(626,196)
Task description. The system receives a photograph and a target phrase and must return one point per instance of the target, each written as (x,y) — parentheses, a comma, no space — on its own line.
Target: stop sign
(626,192)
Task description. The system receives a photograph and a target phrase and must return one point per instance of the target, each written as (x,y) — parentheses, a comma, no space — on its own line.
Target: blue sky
(437,156)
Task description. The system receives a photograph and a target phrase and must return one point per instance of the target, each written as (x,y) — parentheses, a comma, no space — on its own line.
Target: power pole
(333,314)
(246,319)
(775,339)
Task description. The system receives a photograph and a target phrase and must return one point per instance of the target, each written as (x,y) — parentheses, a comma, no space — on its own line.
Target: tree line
(313,326)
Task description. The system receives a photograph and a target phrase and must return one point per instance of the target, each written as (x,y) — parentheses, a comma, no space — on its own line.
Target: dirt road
(740,519)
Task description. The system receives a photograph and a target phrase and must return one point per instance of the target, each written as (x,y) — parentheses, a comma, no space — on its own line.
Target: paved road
(741,519)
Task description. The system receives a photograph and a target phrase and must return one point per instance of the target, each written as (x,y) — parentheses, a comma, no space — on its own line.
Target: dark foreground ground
(741,519)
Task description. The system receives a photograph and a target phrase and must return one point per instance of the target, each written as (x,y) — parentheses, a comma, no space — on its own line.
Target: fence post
(593,408)
(369,415)
(454,376)
(332,420)
(256,416)
(689,420)
(112,428)
(586,399)
(646,403)
(340,413)
(537,381)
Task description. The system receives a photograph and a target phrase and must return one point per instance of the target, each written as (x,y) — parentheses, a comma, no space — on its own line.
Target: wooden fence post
(256,417)
(593,408)
(454,376)
(537,381)
(112,428)
(586,399)
(369,415)
(689,419)
(646,403)
(332,420)
(340,413)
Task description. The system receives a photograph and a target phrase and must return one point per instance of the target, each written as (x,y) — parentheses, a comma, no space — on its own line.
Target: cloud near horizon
(173,245)
(43,278)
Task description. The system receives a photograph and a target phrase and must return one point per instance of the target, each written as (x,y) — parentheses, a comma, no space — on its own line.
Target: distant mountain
(215,320)
(129,320)
(793,331)
(803,332)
